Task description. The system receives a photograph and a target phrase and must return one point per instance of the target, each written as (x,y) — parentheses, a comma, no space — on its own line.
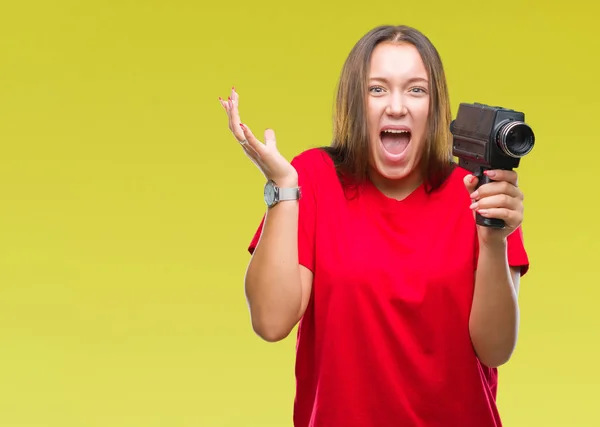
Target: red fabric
(385,341)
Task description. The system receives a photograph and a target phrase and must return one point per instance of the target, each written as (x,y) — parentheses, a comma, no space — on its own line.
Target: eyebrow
(413,80)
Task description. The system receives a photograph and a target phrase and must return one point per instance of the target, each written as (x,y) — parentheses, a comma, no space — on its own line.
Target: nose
(396,106)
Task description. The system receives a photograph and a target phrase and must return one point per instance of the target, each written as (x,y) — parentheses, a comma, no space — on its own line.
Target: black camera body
(485,137)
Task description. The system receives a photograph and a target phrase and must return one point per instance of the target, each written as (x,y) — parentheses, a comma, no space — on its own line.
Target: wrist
(283,190)
(286,182)
(493,244)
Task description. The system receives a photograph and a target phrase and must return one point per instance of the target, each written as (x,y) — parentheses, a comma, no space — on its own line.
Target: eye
(376,89)
(418,90)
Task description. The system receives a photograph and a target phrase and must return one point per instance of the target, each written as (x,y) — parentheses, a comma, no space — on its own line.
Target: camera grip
(487,222)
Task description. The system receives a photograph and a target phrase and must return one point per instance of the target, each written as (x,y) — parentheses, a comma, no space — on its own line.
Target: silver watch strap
(289,193)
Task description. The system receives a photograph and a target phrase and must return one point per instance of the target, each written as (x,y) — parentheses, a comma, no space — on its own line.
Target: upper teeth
(395,131)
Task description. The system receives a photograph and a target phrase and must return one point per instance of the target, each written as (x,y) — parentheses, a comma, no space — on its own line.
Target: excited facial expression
(397,110)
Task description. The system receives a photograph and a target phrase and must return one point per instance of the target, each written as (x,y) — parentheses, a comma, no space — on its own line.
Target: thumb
(270,140)
(470,182)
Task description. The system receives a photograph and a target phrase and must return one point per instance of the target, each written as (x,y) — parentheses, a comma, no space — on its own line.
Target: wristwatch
(275,194)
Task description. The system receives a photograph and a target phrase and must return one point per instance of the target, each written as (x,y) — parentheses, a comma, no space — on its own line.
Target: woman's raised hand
(264,155)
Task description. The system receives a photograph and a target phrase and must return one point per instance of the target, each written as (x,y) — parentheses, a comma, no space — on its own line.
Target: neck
(398,189)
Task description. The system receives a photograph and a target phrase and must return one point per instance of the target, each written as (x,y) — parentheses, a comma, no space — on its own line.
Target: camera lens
(515,139)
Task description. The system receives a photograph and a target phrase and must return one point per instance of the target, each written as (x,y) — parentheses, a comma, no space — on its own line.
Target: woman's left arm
(494,319)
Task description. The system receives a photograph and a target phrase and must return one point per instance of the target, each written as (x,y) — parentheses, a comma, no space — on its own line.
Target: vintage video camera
(486,137)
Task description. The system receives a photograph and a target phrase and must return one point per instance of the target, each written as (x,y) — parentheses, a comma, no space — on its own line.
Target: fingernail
(472,179)
(474,205)
(233,87)
(220,99)
(482,212)
(243,126)
(490,173)
(474,195)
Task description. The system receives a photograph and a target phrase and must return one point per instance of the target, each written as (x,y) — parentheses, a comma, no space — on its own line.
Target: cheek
(422,116)
(373,119)
(373,114)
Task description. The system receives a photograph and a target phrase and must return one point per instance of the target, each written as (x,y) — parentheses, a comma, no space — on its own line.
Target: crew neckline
(386,202)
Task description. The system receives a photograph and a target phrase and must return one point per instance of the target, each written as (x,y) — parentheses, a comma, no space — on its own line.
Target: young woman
(405,306)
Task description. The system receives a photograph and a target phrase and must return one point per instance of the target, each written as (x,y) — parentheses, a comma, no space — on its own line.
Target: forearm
(272,283)
(494,320)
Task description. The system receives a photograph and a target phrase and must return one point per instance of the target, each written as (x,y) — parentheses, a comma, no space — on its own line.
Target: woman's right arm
(277,287)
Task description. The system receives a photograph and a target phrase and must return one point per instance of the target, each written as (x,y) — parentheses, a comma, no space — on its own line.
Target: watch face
(269,193)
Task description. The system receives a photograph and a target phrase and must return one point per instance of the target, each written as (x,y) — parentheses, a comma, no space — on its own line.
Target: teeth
(395,131)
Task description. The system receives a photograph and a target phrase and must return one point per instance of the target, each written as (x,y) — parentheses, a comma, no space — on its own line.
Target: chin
(393,173)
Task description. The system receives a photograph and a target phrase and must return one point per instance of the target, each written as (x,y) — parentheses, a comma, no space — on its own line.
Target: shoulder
(454,184)
(313,157)
(458,174)
(313,163)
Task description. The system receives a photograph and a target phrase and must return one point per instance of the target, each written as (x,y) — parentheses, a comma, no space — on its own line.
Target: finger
(503,175)
(234,120)
(512,218)
(235,102)
(235,99)
(252,143)
(235,112)
(223,104)
(270,140)
(234,96)
(497,187)
(470,182)
(501,201)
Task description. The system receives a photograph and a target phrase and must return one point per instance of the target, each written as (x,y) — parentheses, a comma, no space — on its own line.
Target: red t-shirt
(385,339)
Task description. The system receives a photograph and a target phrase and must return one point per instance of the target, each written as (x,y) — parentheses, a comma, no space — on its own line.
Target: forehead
(396,61)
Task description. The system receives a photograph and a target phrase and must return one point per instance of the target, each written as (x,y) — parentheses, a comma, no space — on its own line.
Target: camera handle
(480,220)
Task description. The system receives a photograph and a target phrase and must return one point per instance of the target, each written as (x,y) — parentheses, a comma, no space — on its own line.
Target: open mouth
(395,141)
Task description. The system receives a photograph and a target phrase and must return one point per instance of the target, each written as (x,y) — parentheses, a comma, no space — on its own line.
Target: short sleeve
(517,255)
(305,166)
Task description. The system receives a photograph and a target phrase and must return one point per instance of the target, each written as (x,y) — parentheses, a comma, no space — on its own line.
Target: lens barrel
(515,139)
